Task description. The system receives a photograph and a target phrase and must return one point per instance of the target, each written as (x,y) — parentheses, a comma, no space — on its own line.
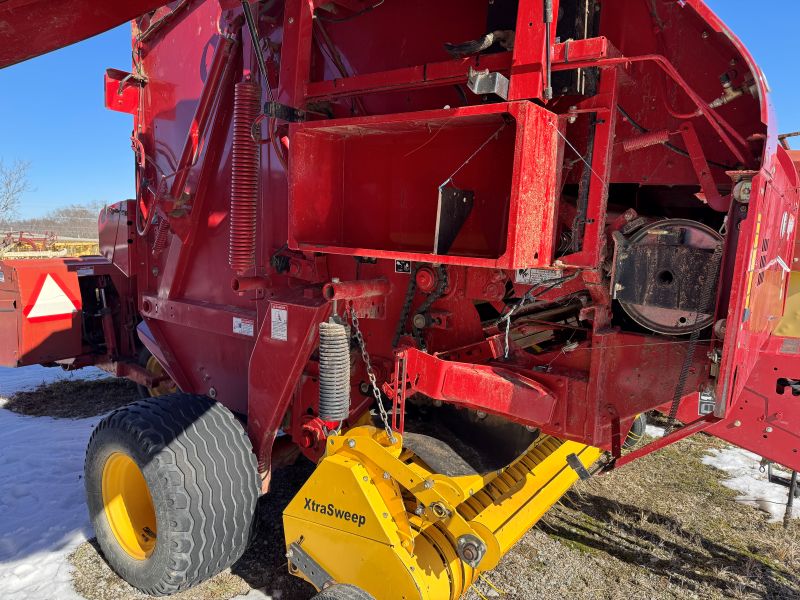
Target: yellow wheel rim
(165,387)
(129,507)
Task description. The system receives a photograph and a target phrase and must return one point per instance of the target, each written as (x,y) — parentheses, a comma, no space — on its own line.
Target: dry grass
(77,399)
(662,527)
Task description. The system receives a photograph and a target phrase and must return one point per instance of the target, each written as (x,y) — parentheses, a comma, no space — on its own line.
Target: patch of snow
(29,378)
(43,515)
(654,431)
(745,476)
(42,507)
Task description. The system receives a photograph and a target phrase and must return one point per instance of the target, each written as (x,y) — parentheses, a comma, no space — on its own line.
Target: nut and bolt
(386,475)
(351,443)
(420,510)
(212,393)
(572,116)
(768,430)
(428,484)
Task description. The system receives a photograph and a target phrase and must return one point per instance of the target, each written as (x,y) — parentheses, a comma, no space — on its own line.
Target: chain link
(371,375)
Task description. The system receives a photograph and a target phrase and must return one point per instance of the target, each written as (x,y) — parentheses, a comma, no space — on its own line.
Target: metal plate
(660,273)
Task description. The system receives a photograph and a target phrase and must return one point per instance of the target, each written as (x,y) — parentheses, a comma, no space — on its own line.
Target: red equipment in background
(562,221)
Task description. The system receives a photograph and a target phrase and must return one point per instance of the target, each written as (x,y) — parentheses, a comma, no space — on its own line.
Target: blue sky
(52,114)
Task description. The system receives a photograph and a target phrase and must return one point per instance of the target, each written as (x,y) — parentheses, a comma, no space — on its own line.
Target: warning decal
(243,326)
(280,322)
(50,301)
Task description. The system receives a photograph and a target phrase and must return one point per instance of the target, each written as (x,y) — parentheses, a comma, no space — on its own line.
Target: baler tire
(195,461)
(343,591)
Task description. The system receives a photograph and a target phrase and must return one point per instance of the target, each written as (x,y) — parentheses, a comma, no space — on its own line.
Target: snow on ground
(745,477)
(42,511)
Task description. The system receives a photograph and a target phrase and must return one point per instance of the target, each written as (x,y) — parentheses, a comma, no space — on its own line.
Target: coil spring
(646,140)
(244,178)
(334,372)
(161,236)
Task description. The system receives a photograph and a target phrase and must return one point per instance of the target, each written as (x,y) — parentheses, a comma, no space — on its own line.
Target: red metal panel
(350,167)
(33,27)
(48,324)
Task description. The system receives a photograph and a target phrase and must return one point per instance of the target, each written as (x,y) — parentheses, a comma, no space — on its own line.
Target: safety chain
(371,375)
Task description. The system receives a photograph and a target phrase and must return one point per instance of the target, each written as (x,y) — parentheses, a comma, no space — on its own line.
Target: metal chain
(406,310)
(706,303)
(371,375)
(423,308)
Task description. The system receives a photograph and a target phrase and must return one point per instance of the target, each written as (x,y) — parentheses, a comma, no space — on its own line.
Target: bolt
(365,478)
(768,430)
(420,510)
(481,414)
(385,515)
(392,440)
(351,443)
(737,423)
(212,393)
(705,35)
(572,117)
(428,484)
(364,388)
(291,20)
(289,553)
(155,271)
(438,403)
(386,475)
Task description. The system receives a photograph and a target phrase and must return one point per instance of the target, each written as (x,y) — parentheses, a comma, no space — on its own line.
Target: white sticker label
(85,271)
(2,277)
(537,276)
(243,326)
(280,322)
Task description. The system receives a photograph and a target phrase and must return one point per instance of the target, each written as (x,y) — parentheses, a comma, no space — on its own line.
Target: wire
(329,19)
(667,145)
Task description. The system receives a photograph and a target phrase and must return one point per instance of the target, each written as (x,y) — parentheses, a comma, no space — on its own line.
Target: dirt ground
(662,527)
(78,399)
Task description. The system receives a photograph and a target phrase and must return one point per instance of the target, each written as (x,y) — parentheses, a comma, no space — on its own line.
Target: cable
(350,17)
(667,145)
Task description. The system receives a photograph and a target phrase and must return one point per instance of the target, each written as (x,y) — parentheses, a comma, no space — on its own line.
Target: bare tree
(13,183)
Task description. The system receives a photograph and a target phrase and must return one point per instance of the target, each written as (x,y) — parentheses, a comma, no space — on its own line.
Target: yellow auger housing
(374,515)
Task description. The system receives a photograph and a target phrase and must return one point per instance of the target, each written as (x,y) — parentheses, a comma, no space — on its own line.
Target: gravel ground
(663,527)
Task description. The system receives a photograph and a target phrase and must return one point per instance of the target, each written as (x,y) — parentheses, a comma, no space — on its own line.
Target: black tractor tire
(343,591)
(195,461)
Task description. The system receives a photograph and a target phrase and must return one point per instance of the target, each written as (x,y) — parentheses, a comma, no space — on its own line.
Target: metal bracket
(485,82)
(308,566)
(577,466)
(282,112)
